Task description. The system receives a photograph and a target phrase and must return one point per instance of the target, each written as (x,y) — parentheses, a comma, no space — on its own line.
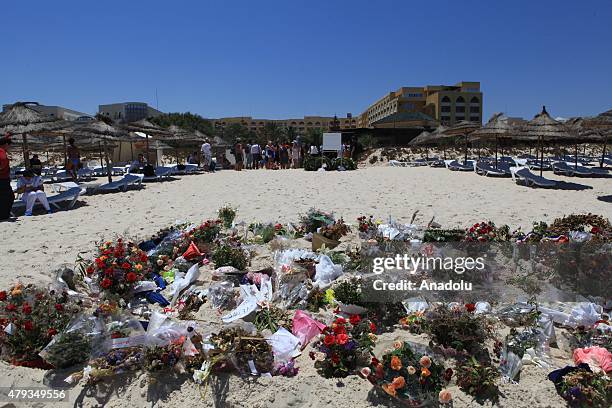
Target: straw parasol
(600,125)
(544,127)
(20,119)
(497,127)
(149,129)
(463,128)
(97,130)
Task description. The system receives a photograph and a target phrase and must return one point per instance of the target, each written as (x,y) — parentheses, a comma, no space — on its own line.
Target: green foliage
(227,255)
(227,214)
(366,140)
(478,380)
(348,164)
(313,136)
(187,121)
(314,163)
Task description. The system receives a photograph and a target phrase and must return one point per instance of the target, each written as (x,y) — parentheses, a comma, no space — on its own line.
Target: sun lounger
(454,165)
(59,187)
(485,169)
(127,181)
(397,163)
(524,175)
(68,198)
(537,164)
(570,170)
(161,173)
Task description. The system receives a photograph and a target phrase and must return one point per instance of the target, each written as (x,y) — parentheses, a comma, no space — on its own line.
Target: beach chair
(161,173)
(524,175)
(68,198)
(486,169)
(127,181)
(570,170)
(454,165)
(59,187)
(397,163)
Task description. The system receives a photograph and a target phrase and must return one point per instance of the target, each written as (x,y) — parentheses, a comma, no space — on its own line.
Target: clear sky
(278,59)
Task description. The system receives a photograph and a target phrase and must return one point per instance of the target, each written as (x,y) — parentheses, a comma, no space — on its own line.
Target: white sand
(32,247)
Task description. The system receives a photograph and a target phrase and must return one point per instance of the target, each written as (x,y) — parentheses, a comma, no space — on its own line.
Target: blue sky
(277,59)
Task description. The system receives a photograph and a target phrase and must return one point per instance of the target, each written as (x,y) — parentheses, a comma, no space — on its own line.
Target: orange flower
(425,372)
(16,291)
(425,361)
(398,382)
(389,389)
(396,363)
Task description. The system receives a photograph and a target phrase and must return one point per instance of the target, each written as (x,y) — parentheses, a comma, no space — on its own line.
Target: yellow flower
(329,296)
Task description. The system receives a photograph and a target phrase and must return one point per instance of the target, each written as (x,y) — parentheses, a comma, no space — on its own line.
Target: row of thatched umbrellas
(541,128)
(33,129)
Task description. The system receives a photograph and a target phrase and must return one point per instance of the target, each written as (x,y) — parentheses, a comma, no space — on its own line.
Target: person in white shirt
(206,155)
(31,186)
(313,150)
(256,153)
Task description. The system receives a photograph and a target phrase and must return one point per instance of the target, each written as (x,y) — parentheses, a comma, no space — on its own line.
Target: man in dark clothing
(36,165)
(7,197)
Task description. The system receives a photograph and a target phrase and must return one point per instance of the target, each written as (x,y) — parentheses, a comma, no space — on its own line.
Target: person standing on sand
(206,155)
(238,150)
(7,197)
(247,155)
(74,159)
(256,153)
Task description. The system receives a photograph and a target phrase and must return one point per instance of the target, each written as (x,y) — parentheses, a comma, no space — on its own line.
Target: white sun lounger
(485,169)
(524,175)
(161,173)
(68,197)
(127,181)
(454,165)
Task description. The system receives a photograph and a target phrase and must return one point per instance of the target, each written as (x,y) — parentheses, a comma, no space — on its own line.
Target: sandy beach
(34,246)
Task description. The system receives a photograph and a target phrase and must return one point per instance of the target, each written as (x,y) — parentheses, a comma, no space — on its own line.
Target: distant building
(447,104)
(127,112)
(301,125)
(58,112)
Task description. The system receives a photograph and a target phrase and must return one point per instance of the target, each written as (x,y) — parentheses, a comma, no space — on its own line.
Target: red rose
(329,340)
(131,277)
(339,329)
(143,257)
(59,307)
(11,307)
(2,296)
(99,263)
(89,270)
(126,265)
(342,339)
(335,359)
(40,296)
(470,307)
(28,325)
(51,332)
(106,283)
(354,319)
(341,320)
(108,271)
(27,309)
(375,361)
(372,327)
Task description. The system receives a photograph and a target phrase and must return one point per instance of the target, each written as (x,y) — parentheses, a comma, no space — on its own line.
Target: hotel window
(446,100)
(445,109)
(474,109)
(475,118)
(458,118)
(460,108)
(460,100)
(474,100)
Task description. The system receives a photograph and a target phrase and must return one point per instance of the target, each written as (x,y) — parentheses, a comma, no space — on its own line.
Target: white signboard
(332,142)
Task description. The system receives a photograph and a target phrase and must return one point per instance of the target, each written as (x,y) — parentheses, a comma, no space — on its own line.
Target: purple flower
(575,392)
(351,345)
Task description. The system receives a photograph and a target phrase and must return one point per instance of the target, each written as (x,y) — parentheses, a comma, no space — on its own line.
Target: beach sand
(32,247)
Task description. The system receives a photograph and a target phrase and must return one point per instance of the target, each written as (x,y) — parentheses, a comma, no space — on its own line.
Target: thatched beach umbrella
(543,127)
(149,129)
(600,125)
(103,133)
(496,128)
(20,119)
(463,128)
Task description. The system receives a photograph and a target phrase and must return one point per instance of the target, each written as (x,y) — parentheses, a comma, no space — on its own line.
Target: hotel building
(127,112)
(447,104)
(301,125)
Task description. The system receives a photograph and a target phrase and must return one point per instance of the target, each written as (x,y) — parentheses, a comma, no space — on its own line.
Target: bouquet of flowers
(115,362)
(335,230)
(248,353)
(315,219)
(581,387)
(227,214)
(265,233)
(342,345)
(228,254)
(598,226)
(205,233)
(118,267)
(478,380)
(487,232)
(367,226)
(409,377)
(414,322)
(29,319)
